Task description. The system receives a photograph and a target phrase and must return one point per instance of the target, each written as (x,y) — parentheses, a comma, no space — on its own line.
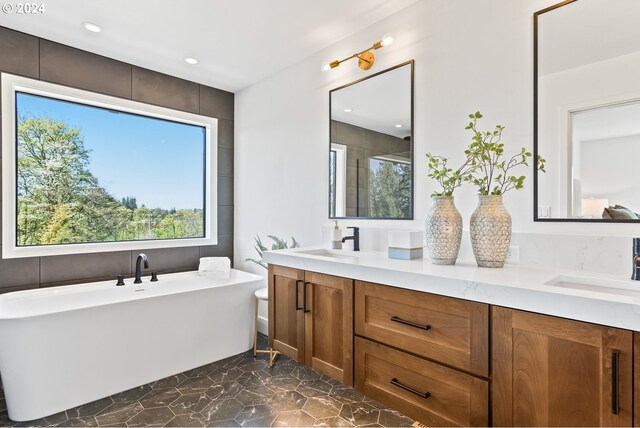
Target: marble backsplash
(600,254)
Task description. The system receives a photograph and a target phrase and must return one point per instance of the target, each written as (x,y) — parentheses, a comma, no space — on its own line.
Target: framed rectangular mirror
(371,146)
(587,111)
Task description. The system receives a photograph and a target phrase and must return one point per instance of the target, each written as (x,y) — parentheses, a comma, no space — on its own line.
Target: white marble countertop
(514,286)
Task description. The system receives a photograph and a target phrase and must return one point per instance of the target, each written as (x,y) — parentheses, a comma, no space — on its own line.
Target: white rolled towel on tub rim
(218,267)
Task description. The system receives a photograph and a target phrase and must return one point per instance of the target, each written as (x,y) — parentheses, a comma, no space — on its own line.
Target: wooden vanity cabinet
(636,379)
(549,371)
(423,354)
(328,325)
(428,355)
(286,316)
(311,320)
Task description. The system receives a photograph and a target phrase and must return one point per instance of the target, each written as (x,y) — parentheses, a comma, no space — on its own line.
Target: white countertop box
(406,239)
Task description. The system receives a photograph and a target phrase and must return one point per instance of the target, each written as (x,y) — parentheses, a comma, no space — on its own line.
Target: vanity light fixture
(89,26)
(348,110)
(398,126)
(191,60)
(365,57)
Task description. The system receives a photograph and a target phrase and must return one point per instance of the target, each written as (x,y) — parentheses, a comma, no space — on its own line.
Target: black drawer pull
(411,324)
(297,294)
(615,382)
(424,395)
(304,297)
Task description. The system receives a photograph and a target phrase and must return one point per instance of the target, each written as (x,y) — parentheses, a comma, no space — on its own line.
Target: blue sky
(159,162)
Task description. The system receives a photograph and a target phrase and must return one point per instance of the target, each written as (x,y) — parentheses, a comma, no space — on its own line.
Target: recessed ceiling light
(348,110)
(398,126)
(191,60)
(94,28)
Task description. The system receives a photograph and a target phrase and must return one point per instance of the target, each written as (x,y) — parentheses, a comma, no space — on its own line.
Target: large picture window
(94,173)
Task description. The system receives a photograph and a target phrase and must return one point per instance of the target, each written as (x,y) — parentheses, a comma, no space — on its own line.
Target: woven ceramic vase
(490,231)
(443,231)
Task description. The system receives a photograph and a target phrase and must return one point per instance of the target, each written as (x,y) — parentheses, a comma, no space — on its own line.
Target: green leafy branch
(490,171)
(448,178)
(278,244)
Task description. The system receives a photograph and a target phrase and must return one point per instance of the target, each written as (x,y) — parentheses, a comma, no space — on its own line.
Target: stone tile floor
(237,391)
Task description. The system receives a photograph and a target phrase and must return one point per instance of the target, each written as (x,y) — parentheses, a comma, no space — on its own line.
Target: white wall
(469,55)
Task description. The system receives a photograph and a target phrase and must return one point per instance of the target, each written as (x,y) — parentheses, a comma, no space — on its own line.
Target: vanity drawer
(451,331)
(428,392)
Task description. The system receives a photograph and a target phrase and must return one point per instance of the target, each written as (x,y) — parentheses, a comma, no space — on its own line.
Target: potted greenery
(278,244)
(492,174)
(443,223)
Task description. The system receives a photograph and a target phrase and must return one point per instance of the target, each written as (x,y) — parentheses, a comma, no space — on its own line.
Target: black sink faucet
(141,258)
(355,237)
(636,260)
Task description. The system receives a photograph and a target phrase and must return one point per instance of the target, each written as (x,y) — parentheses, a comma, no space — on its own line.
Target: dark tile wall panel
(167,91)
(25,55)
(19,272)
(60,270)
(224,247)
(225,220)
(216,103)
(225,161)
(81,69)
(19,53)
(225,190)
(225,133)
(164,260)
(19,288)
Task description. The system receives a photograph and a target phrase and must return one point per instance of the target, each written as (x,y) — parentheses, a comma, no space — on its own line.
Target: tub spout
(141,258)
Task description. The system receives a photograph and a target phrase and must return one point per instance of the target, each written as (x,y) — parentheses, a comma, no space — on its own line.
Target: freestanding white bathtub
(65,346)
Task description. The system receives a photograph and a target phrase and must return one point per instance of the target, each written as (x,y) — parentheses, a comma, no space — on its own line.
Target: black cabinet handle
(411,324)
(304,297)
(615,382)
(424,395)
(298,293)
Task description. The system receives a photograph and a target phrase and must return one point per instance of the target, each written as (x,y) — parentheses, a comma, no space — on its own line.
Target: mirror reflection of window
(389,190)
(337,179)
(605,148)
(370,158)
(332,181)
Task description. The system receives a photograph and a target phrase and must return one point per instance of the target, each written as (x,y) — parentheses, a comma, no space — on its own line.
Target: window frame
(12,84)
(340,177)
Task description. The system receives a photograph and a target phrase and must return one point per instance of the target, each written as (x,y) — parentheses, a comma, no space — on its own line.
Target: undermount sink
(321,252)
(597,285)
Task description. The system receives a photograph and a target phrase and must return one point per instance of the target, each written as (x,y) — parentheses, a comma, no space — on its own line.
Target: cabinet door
(549,371)
(329,325)
(636,379)
(286,316)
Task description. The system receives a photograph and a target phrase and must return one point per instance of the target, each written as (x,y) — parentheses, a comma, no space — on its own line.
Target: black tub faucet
(141,258)
(636,260)
(355,237)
